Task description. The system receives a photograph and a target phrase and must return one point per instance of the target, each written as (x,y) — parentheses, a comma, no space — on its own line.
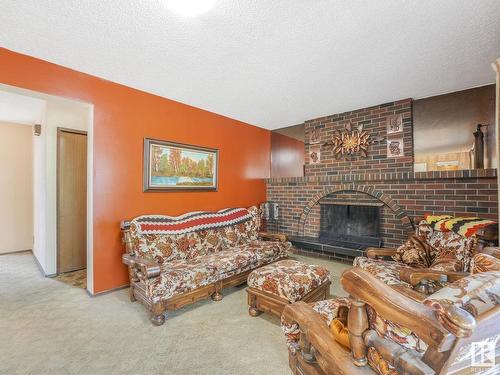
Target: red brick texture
(406,195)
(374,121)
(405,200)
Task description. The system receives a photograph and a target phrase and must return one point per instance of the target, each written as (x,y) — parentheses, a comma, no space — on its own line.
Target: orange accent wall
(287,156)
(122,118)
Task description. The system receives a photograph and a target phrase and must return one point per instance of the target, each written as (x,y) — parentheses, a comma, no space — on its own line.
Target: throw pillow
(340,333)
(415,252)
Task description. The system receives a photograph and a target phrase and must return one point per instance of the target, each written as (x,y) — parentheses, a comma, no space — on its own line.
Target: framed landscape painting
(173,166)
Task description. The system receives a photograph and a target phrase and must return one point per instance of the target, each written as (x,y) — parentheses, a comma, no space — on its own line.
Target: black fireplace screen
(353,226)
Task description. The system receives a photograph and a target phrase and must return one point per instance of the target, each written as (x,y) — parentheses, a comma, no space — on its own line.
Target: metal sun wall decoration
(350,142)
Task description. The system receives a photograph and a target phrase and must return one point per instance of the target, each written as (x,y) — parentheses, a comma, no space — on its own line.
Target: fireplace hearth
(350,225)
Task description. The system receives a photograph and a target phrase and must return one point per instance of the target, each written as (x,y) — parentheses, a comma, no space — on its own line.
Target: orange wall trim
(122,118)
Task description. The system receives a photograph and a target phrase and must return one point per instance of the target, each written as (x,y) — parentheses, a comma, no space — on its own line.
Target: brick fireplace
(401,195)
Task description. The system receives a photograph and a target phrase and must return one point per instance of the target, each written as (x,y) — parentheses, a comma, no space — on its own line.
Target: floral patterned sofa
(393,333)
(174,261)
(430,253)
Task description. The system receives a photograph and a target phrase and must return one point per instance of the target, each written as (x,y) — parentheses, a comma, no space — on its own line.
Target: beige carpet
(48,327)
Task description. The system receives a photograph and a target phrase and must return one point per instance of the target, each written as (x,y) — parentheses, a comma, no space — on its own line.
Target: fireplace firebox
(350,225)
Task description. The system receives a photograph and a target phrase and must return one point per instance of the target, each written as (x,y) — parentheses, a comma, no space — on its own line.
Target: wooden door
(71,200)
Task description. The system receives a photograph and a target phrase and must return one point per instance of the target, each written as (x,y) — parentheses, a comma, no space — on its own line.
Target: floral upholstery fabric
(211,240)
(476,293)
(378,363)
(416,252)
(484,263)
(167,247)
(438,250)
(394,332)
(195,259)
(327,309)
(288,279)
(385,270)
(179,277)
(454,251)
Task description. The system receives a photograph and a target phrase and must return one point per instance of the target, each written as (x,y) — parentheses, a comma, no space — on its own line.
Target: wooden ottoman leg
(252,311)
(252,305)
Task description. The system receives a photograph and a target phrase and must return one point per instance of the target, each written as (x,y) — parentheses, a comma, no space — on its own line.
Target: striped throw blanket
(465,226)
(191,222)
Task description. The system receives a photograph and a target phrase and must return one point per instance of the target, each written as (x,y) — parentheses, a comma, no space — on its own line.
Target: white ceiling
(21,109)
(268,63)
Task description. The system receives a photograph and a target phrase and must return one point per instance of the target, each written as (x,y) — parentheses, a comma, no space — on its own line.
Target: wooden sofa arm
(317,344)
(414,276)
(379,252)
(273,236)
(145,268)
(403,310)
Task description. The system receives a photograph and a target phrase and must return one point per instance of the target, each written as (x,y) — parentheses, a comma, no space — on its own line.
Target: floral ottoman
(272,287)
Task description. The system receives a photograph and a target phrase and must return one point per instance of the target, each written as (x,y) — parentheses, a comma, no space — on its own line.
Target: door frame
(58,154)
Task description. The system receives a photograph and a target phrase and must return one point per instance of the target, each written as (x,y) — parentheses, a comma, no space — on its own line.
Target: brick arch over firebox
(384,198)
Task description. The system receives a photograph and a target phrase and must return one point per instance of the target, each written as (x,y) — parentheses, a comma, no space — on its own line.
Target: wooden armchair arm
(405,311)
(317,344)
(379,252)
(273,236)
(145,268)
(414,276)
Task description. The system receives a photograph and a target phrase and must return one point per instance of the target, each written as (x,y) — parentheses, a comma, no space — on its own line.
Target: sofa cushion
(267,249)
(252,254)
(227,261)
(477,294)
(180,277)
(386,271)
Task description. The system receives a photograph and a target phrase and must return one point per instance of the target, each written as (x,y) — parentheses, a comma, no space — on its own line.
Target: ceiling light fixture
(190,8)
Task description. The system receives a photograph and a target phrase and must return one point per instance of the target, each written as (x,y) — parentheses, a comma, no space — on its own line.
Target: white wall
(16,187)
(51,112)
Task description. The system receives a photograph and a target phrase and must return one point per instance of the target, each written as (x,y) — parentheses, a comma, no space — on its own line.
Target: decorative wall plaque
(394,124)
(351,141)
(395,147)
(315,154)
(314,138)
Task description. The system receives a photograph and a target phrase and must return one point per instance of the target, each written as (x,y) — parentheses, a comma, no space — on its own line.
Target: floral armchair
(433,254)
(385,331)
